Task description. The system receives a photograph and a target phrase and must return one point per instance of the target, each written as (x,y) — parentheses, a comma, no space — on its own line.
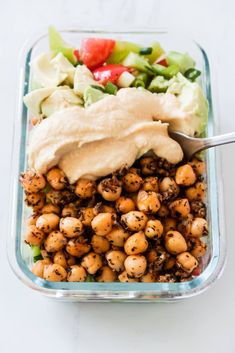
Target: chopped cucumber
(121,50)
(125,79)
(156,52)
(159,85)
(92,95)
(58,45)
(184,61)
(136,61)
(167,72)
(141,80)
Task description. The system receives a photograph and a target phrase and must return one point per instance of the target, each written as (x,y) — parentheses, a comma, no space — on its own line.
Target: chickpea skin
(135,265)
(148,165)
(147,278)
(86,215)
(179,208)
(186,262)
(196,192)
(100,244)
(106,275)
(85,188)
(55,241)
(35,200)
(71,227)
(76,273)
(153,229)
(77,247)
(175,242)
(33,235)
(47,222)
(102,223)
(32,182)
(148,201)
(168,188)
(185,175)
(92,262)
(60,259)
(125,204)
(199,227)
(150,184)
(117,236)
(57,179)
(54,273)
(49,208)
(123,277)
(134,220)
(115,259)
(110,189)
(38,267)
(136,244)
(132,182)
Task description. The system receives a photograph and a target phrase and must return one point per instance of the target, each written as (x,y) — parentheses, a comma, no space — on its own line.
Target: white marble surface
(31,323)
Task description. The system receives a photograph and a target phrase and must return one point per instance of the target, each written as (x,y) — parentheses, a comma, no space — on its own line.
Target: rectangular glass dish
(19,253)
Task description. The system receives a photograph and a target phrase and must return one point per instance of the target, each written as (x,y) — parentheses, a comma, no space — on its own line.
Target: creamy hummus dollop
(95,141)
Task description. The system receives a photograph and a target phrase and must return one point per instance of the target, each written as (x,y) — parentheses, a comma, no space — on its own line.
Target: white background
(31,323)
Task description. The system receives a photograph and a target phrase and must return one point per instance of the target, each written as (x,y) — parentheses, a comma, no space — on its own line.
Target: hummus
(95,141)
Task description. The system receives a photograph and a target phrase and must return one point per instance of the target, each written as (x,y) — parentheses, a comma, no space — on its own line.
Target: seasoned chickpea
(102,223)
(110,189)
(71,227)
(168,188)
(115,259)
(199,227)
(148,201)
(148,165)
(106,275)
(77,247)
(102,208)
(76,273)
(92,262)
(185,175)
(198,166)
(60,259)
(55,241)
(136,244)
(54,273)
(153,229)
(35,200)
(184,226)
(60,198)
(47,222)
(69,210)
(123,277)
(135,265)
(169,224)
(117,236)
(57,179)
(150,184)
(31,221)
(175,242)
(179,208)
(148,278)
(199,248)
(33,235)
(169,264)
(38,267)
(163,211)
(186,261)
(85,188)
(151,255)
(86,215)
(132,182)
(49,208)
(71,260)
(134,220)
(32,182)
(125,204)
(99,244)
(196,192)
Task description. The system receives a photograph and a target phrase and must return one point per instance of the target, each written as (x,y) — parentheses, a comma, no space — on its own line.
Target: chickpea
(151,255)
(134,220)
(49,208)
(148,278)
(153,229)
(31,221)
(92,262)
(161,257)
(77,247)
(54,273)
(85,188)
(135,265)
(125,204)
(47,222)
(199,227)
(185,175)
(60,197)
(60,259)
(184,226)
(186,261)
(102,223)
(136,244)
(35,200)
(115,259)
(167,278)
(57,179)
(132,182)
(69,210)
(169,224)
(163,211)
(198,166)
(150,184)
(168,188)
(71,260)
(196,192)
(148,201)
(32,182)
(102,208)
(99,244)
(110,189)
(179,208)
(199,248)
(198,209)
(123,277)
(117,236)
(55,241)
(148,165)
(106,275)
(71,227)
(33,235)
(38,267)
(175,242)
(76,273)
(169,264)
(86,215)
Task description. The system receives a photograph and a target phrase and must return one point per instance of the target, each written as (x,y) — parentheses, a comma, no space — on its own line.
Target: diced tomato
(95,51)
(197,271)
(76,54)
(162,60)
(109,73)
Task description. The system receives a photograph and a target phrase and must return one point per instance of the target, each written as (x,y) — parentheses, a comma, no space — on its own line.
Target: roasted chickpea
(92,262)
(153,229)
(125,204)
(69,210)
(150,184)
(38,267)
(196,192)
(60,259)
(32,219)
(185,175)
(148,278)
(123,277)
(54,273)
(33,235)
(175,242)
(198,209)
(148,165)
(86,215)
(117,236)
(151,255)
(199,227)
(55,241)
(49,208)
(136,244)
(60,198)
(135,265)
(99,244)
(85,188)
(163,211)
(169,224)
(198,166)
(134,220)
(132,182)
(199,248)
(102,223)
(179,208)
(186,261)
(115,259)
(78,247)
(71,260)
(47,222)
(76,273)
(102,208)
(57,179)
(110,189)
(106,275)
(71,227)
(184,226)
(169,264)
(148,201)
(168,188)
(32,182)
(35,200)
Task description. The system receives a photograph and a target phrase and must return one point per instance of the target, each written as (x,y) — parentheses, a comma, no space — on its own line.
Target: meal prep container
(20,254)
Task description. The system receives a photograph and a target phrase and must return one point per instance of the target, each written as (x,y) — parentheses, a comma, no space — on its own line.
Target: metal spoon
(192,145)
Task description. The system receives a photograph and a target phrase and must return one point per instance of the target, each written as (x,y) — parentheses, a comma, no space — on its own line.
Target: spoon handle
(217,140)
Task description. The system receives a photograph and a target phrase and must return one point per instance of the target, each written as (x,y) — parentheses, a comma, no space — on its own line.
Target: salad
(112,198)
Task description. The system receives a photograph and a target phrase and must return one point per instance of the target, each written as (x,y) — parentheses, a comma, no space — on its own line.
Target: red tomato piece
(162,60)
(95,51)
(109,73)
